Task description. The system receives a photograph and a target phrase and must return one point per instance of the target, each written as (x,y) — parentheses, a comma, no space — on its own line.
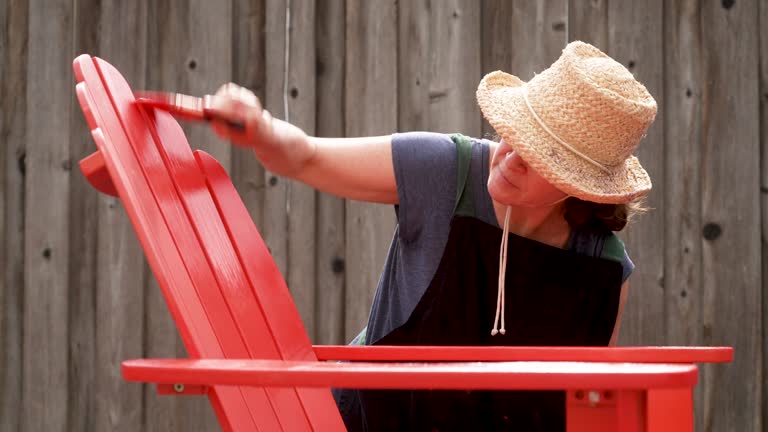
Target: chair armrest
(94,169)
(662,354)
(467,376)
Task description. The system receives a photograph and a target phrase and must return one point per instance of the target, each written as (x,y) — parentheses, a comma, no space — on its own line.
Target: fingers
(224,131)
(232,100)
(233,92)
(235,104)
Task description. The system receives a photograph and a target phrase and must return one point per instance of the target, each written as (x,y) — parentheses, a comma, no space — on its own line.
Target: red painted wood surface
(667,410)
(473,353)
(124,137)
(95,170)
(595,410)
(466,375)
(267,285)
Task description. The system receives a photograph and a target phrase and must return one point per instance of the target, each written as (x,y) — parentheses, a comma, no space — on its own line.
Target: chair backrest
(221,285)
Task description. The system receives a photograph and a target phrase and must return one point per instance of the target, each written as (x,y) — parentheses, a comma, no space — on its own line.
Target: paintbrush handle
(236,125)
(210,114)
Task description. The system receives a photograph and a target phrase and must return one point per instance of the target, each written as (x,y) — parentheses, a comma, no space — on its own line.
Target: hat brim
(500,97)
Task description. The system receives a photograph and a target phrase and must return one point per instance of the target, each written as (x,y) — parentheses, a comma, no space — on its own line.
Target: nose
(514,162)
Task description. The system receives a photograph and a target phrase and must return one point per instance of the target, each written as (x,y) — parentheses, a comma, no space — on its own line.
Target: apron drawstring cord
(502,276)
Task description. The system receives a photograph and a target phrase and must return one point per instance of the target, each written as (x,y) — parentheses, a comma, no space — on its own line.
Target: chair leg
(670,410)
(605,410)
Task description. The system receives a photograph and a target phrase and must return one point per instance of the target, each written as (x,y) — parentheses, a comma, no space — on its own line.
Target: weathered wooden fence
(76,296)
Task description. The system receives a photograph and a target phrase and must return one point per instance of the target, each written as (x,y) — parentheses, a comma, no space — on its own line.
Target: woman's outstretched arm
(354,168)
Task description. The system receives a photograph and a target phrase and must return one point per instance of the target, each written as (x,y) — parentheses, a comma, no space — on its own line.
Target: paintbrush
(187,107)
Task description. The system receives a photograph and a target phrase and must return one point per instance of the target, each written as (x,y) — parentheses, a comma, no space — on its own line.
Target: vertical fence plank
(289,223)
(371,109)
(302,221)
(120,260)
(13,106)
(439,70)
(329,309)
(208,34)
(46,230)
(643,321)
(83,265)
(763,44)
(191,52)
(588,22)
(275,224)
(249,68)
(4,129)
(681,114)
(731,213)
(413,71)
(522,37)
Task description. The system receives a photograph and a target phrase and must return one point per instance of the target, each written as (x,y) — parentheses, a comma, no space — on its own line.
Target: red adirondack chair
(249,351)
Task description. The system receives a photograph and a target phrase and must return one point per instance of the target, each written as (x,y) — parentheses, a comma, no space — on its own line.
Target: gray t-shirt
(426,170)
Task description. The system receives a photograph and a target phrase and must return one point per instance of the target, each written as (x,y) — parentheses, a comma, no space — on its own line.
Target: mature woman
(497,243)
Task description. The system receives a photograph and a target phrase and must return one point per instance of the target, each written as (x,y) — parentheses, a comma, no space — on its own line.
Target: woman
(507,243)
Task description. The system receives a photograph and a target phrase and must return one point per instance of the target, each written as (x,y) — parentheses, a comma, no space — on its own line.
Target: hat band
(557,138)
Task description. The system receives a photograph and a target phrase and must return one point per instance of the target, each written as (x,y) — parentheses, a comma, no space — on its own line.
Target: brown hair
(585,214)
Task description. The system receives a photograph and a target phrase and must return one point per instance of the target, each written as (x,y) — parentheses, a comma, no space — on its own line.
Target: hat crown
(593,103)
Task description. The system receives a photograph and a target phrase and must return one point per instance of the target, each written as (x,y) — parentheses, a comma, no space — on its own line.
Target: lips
(502,167)
(501,174)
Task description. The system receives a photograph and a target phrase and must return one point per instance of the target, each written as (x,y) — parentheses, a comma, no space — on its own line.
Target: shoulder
(425,167)
(423,159)
(615,250)
(435,144)
(421,143)
(606,245)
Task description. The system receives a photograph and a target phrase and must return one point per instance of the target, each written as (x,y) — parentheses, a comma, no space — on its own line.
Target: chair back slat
(218,283)
(189,249)
(270,288)
(127,176)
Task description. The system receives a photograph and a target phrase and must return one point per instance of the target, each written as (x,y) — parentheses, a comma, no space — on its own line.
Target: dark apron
(553,297)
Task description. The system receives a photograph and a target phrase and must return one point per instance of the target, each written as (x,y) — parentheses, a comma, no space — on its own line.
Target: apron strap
(464,204)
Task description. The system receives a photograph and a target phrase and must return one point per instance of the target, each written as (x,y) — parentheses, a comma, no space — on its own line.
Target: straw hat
(576,124)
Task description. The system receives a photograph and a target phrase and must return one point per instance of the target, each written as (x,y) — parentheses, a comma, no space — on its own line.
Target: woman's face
(512,182)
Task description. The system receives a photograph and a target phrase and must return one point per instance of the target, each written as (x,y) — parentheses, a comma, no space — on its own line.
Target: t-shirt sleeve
(425,171)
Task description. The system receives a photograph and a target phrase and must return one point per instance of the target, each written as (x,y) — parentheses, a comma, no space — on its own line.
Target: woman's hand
(280,146)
